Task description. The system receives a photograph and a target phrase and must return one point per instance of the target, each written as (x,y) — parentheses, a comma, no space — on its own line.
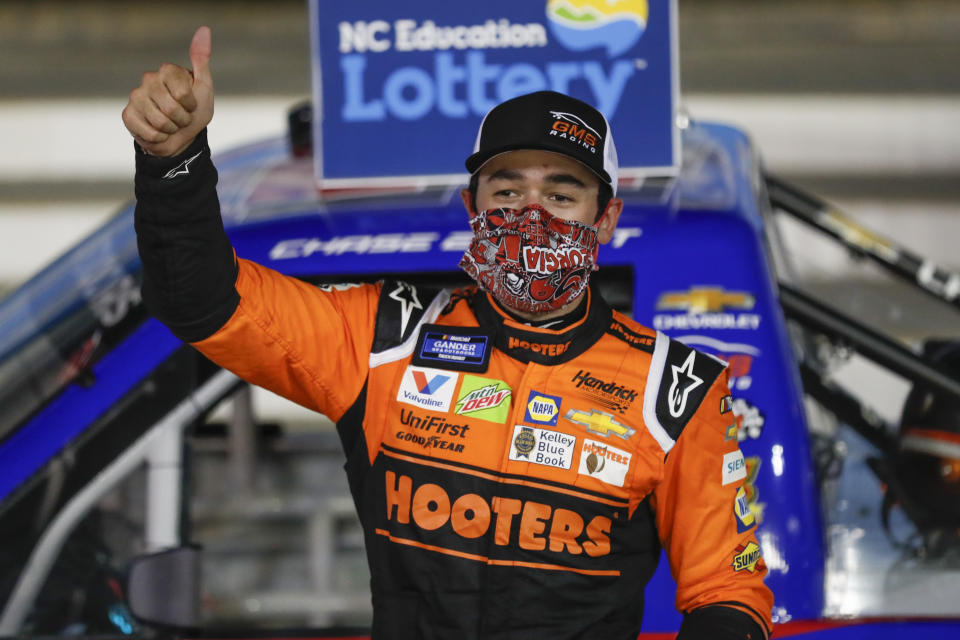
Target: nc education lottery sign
(401,87)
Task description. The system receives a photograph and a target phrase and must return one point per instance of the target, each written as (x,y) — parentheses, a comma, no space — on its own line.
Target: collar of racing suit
(558,322)
(527,343)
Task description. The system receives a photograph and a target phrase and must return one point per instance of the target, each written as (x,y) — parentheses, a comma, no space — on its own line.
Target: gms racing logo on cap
(571,127)
(585,24)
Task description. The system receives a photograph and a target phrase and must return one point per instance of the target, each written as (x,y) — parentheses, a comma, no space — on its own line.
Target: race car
(114,509)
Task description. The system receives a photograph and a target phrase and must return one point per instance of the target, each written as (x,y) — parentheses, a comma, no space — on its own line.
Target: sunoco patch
(746,557)
(448,347)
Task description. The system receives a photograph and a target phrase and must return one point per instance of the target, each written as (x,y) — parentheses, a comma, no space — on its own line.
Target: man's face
(556,182)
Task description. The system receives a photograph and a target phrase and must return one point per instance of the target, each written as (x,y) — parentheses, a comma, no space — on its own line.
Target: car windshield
(880,562)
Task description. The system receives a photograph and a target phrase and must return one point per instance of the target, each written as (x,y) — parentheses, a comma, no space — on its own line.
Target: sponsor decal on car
(387,243)
(542,408)
(427,388)
(600,423)
(738,356)
(706,307)
(750,420)
(742,513)
(746,557)
(600,460)
(484,398)
(542,446)
(734,467)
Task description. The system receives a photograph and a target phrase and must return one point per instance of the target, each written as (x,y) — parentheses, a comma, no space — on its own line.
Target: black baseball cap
(553,122)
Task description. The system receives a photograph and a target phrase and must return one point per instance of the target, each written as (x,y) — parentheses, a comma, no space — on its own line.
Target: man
(517,452)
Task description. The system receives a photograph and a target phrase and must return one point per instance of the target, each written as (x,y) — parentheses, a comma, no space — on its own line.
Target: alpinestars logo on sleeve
(684,381)
(183,168)
(406,295)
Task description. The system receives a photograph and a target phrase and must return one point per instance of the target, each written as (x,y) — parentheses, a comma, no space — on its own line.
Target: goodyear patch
(746,557)
(484,398)
(542,408)
(742,512)
(600,460)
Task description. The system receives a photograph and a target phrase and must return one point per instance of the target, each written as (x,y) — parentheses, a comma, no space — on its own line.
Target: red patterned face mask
(530,260)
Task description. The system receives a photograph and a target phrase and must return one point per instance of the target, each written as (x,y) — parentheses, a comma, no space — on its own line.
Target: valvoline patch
(542,408)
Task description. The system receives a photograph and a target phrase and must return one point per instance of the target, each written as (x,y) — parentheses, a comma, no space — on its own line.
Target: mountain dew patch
(484,398)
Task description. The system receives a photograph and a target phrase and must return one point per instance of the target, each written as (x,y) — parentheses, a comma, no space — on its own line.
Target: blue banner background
(384,112)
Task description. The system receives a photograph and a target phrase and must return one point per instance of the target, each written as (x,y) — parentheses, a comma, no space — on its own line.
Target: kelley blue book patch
(458,348)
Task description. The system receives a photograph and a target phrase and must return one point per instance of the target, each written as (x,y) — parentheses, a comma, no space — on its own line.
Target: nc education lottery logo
(616,25)
(427,388)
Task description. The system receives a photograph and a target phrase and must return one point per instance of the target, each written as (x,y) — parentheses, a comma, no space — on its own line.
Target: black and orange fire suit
(512,482)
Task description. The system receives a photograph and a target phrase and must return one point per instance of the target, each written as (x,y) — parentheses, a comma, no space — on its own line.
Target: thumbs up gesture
(172,105)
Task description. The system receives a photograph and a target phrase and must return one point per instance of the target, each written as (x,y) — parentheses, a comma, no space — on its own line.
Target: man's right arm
(189,268)
(307,344)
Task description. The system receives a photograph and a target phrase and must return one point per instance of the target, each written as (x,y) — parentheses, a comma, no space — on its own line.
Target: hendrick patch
(606,393)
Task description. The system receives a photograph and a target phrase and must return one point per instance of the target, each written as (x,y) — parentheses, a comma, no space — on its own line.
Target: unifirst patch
(600,460)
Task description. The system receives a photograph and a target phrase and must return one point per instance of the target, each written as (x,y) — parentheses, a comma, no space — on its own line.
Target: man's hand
(172,105)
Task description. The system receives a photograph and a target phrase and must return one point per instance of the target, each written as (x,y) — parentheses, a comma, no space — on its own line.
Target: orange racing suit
(512,481)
